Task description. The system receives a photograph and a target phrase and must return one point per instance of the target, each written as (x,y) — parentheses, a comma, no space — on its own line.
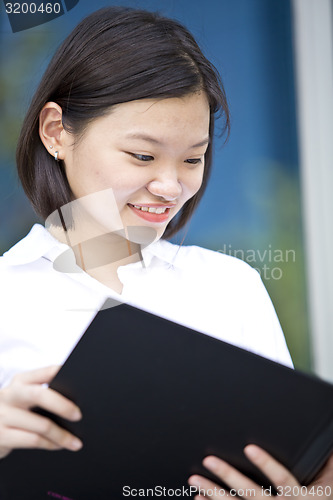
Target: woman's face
(149,151)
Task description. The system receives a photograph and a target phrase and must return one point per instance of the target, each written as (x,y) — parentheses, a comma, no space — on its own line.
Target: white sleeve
(263,333)
(237,306)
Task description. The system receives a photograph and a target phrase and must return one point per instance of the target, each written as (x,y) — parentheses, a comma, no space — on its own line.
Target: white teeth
(153,210)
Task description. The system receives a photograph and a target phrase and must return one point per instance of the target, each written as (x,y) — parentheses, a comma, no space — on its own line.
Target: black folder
(157,398)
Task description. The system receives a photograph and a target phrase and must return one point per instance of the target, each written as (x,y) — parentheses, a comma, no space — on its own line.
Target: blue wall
(250,43)
(253,200)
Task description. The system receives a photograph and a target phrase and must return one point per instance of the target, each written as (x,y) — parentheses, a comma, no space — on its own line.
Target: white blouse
(44,312)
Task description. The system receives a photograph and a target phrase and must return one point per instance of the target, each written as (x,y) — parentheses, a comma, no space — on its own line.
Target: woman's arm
(280,477)
(21,428)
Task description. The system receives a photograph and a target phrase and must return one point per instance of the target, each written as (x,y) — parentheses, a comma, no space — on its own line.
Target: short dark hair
(115,55)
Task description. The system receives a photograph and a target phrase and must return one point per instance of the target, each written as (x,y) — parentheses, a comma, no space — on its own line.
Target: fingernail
(77,415)
(211,463)
(194,481)
(251,451)
(76,444)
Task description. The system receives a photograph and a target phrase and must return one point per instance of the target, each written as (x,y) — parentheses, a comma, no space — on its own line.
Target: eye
(142,157)
(193,161)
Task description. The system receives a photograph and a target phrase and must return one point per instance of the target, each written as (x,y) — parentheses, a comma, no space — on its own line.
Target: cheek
(92,178)
(194,182)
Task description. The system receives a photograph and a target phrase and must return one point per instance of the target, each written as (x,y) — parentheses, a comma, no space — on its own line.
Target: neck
(102,255)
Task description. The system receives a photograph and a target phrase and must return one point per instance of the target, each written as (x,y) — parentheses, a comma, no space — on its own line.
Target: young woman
(115,154)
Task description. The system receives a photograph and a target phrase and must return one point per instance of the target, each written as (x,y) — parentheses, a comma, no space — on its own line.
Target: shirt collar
(35,245)
(40,243)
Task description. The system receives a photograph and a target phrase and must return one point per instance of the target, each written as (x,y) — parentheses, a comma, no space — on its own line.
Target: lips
(151,213)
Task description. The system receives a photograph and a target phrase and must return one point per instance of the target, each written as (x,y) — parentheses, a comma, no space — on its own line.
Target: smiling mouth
(152,210)
(151,214)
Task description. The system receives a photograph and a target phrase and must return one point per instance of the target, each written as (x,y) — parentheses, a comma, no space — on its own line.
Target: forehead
(172,119)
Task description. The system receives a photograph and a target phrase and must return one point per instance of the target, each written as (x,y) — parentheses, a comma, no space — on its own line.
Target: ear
(51,130)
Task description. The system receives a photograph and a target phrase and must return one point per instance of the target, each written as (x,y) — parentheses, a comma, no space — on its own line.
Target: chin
(142,235)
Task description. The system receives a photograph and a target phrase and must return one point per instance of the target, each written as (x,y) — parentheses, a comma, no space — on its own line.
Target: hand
(286,484)
(21,428)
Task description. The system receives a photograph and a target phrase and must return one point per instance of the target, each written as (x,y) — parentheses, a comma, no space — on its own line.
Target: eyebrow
(148,138)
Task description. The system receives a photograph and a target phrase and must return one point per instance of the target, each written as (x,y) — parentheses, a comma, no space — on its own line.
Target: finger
(44,427)
(17,438)
(27,396)
(39,376)
(206,488)
(237,481)
(325,475)
(276,472)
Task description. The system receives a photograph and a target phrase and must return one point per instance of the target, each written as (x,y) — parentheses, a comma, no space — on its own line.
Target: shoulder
(28,247)
(36,244)
(234,298)
(191,258)
(27,265)
(17,265)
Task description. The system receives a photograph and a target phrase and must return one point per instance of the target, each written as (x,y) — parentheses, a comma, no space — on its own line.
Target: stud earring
(51,147)
(56,153)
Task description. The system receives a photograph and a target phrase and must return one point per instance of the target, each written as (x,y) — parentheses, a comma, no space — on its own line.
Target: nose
(166,185)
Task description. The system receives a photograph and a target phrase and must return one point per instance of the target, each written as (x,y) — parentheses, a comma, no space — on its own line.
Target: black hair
(114,55)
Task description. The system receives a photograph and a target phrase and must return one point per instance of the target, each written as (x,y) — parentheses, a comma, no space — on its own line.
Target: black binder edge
(323,441)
